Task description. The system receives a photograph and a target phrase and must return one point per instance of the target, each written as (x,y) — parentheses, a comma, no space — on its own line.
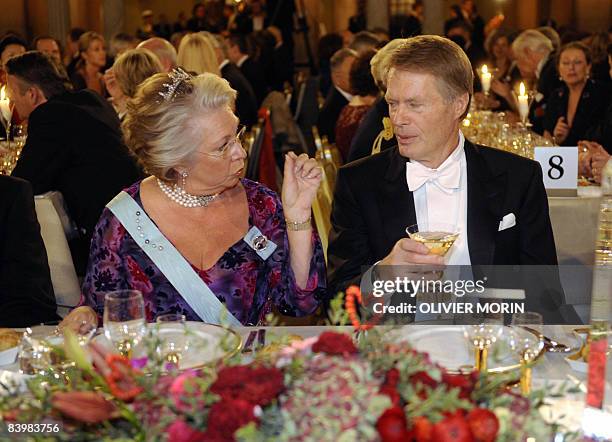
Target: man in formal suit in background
(238,53)
(435,175)
(74,144)
(339,95)
(536,62)
(26,293)
(246,102)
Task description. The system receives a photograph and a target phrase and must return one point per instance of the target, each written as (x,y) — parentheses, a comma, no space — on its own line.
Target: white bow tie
(446,178)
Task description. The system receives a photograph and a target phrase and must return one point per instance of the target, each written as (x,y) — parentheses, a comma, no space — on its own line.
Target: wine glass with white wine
(124,320)
(437,237)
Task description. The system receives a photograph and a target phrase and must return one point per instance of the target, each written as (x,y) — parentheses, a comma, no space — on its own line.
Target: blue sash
(169,261)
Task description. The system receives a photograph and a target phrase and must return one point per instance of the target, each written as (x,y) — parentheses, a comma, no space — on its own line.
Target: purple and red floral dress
(245,283)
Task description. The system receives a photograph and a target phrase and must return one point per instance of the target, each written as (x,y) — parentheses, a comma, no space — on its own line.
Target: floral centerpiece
(332,387)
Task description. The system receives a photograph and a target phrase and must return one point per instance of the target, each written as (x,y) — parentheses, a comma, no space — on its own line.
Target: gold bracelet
(297,225)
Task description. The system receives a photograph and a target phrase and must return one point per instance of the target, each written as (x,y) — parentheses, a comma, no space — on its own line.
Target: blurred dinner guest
(194,237)
(534,56)
(201,21)
(460,31)
(120,43)
(74,144)
(598,44)
(470,14)
(579,104)
(375,132)
(328,45)
(552,35)
(163,50)
(436,175)
(339,94)
(49,46)
(407,25)
(238,53)
(504,69)
(71,54)
(364,91)
(282,61)
(129,70)
(602,131)
(146,29)
(88,72)
(363,41)
(10,46)
(163,28)
(197,55)
(180,25)
(246,102)
(26,292)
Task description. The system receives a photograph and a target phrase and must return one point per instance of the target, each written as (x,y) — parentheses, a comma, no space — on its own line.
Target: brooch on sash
(259,243)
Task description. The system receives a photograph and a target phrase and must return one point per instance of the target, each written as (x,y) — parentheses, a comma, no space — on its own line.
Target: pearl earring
(184,175)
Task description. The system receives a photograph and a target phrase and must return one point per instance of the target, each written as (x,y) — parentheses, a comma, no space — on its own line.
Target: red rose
(392,377)
(391,425)
(453,428)
(258,385)
(484,424)
(392,393)
(423,378)
(465,382)
(334,343)
(228,415)
(423,429)
(184,386)
(180,431)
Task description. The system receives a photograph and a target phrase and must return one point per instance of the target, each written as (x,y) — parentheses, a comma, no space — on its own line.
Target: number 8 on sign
(555,167)
(559,166)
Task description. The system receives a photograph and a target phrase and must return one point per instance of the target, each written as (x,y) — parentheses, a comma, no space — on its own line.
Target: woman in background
(88,73)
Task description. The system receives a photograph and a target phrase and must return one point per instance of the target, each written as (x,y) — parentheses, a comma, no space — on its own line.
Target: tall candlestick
(485,79)
(523,103)
(5,105)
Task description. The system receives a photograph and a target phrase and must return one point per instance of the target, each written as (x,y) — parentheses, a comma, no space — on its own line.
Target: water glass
(482,336)
(526,338)
(124,320)
(173,339)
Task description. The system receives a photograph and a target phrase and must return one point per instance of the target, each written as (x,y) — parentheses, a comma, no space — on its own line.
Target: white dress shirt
(440,196)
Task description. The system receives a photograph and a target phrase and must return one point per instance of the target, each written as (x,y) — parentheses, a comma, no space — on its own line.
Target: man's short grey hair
(339,56)
(163,49)
(534,41)
(552,35)
(364,40)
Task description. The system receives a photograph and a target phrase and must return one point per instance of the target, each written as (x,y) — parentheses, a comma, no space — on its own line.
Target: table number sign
(559,169)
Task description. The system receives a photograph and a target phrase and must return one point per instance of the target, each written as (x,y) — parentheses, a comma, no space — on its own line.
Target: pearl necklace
(181,197)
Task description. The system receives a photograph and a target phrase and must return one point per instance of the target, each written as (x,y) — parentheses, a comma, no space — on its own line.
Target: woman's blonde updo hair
(196,54)
(163,133)
(133,67)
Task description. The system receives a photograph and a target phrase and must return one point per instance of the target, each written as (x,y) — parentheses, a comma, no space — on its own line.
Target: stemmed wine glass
(482,336)
(526,339)
(437,237)
(124,320)
(173,339)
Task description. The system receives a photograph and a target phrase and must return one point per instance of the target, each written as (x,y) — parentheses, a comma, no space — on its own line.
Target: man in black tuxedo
(74,144)
(339,95)
(26,293)
(536,62)
(238,53)
(246,103)
(496,199)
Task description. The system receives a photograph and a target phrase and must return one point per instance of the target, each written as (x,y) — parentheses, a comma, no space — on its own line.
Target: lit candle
(485,79)
(523,103)
(5,106)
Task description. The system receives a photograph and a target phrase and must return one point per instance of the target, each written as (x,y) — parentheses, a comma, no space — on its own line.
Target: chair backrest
(321,210)
(63,275)
(252,169)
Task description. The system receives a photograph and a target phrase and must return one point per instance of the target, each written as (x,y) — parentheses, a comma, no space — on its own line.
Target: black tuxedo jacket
(547,83)
(75,145)
(372,208)
(368,130)
(254,73)
(329,113)
(591,109)
(26,293)
(246,103)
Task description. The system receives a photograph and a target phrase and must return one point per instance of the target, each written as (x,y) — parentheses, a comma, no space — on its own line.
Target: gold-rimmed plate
(448,347)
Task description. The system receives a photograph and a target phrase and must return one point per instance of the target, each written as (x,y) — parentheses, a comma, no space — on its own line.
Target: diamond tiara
(178,76)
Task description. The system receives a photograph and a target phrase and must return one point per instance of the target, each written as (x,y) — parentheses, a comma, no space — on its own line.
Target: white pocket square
(507,221)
